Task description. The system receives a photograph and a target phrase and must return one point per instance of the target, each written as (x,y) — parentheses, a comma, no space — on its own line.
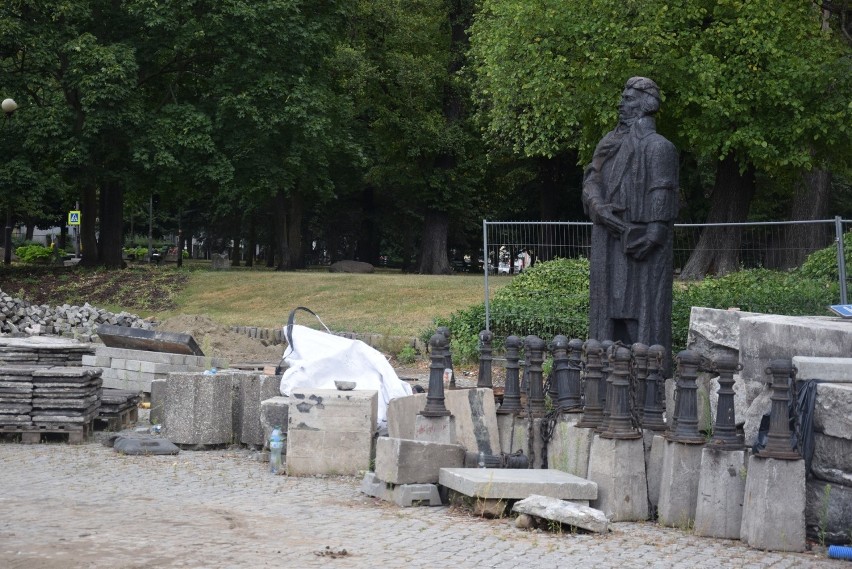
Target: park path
(64,506)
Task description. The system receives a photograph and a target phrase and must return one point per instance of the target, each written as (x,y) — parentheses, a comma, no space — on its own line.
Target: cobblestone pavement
(65,506)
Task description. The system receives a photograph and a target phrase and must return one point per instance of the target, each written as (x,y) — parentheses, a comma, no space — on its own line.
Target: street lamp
(9,106)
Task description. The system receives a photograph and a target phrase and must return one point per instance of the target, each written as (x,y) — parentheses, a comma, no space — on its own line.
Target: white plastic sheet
(317,359)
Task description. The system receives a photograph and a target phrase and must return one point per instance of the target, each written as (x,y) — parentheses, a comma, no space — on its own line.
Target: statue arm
(598,211)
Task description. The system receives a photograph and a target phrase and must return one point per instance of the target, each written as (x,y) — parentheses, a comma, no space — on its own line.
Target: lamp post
(9,106)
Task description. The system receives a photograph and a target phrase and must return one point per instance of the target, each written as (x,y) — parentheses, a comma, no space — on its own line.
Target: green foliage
(34,253)
(822,264)
(553,298)
(752,290)
(407,355)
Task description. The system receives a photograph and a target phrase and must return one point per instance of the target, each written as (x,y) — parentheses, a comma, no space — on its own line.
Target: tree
(751,86)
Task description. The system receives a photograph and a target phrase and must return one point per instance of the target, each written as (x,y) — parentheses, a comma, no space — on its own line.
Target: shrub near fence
(553,298)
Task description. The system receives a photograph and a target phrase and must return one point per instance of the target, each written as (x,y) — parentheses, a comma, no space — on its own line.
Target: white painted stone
(564,512)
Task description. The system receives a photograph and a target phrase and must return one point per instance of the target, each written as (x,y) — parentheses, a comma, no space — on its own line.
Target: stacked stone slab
(65,396)
(135,369)
(16,395)
(828,513)
(43,351)
(118,407)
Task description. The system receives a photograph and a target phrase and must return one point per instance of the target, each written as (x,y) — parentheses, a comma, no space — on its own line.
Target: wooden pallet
(74,434)
(117,421)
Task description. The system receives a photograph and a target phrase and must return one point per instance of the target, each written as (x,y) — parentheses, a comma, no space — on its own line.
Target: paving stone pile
(65,395)
(16,395)
(41,351)
(20,316)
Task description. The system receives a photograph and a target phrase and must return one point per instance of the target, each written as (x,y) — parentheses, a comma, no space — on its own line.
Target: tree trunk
(88,226)
(282,248)
(433,248)
(294,230)
(251,245)
(810,201)
(718,249)
(63,236)
(111,225)
(369,241)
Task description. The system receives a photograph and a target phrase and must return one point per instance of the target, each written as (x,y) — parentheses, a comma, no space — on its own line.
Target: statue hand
(641,248)
(605,215)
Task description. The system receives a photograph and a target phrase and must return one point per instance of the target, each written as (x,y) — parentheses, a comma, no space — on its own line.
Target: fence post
(841,258)
(485,263)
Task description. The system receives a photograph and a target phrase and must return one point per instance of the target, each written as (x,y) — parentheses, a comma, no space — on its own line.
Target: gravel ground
(65,506)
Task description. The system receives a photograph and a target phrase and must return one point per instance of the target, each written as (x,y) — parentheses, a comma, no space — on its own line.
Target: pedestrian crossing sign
(74,217)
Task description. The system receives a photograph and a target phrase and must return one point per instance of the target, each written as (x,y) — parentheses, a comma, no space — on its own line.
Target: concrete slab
(721,488)
(774,505)
(401,415)
(618,468)
(713,332)
(511,484)
(148,340)
(564,512)
(833,370)
(403,495)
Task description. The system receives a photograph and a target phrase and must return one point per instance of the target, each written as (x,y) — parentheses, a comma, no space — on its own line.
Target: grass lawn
(386,302)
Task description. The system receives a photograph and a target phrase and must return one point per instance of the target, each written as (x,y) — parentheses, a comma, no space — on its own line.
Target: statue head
(640,97)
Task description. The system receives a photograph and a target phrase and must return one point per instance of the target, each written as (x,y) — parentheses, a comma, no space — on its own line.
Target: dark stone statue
(630,192)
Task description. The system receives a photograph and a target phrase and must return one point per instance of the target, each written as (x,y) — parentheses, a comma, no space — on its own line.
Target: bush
(822,264)
(34,253)
(553,298)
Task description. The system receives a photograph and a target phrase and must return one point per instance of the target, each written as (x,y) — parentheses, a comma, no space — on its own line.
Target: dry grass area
(384,302)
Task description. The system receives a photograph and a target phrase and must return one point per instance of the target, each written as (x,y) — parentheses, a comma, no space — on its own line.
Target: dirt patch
(218,341)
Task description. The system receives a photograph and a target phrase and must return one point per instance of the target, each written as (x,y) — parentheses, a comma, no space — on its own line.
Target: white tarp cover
(317,359)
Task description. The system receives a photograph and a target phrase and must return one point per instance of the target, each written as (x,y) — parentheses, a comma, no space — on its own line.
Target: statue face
(631,104)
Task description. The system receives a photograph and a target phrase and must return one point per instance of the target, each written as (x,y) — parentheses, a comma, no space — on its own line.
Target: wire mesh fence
(509,248)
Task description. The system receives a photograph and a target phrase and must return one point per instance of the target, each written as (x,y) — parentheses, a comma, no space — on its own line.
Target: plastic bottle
(481,459)
(276,444)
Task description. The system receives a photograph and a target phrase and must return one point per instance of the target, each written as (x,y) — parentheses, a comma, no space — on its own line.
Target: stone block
(654,453)
(198,409)
(514,436)
(833,410)
(618,468)
(435,429)
(759,407)
(564,512)
(679,484)
(828,512)
(714,332)
(476,418)
(774,505)
(273,413)
(403,495)
(767,337)
(721,488)
(832,459)
(252,389)
(833,370)
(406,461)
(516,484)
(158,401)
(330,431)
(568,449)
(402,412)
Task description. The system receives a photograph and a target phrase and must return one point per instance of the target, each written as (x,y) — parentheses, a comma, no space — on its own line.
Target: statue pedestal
(679,484)
(618,468)
(719,510)
(568,450)
(435,429)
(774,505)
